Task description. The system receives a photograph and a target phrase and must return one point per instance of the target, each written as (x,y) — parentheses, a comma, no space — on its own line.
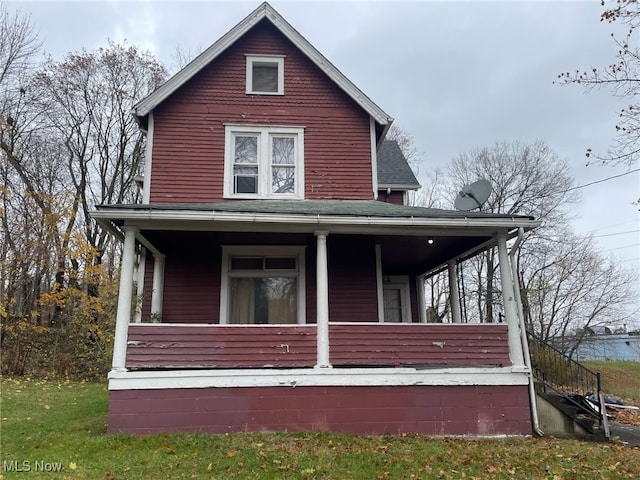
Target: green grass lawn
(621,379)
(46,423)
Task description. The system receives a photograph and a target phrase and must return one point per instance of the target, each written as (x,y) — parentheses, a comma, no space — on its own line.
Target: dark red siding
(257,346)
(431,410)
(418,344)
(353,295)
(396,197)
(188,138)
(225,346)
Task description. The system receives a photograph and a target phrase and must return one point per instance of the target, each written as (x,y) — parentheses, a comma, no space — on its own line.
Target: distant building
(606,343)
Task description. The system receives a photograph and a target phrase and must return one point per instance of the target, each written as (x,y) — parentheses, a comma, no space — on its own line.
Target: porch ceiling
(402,255)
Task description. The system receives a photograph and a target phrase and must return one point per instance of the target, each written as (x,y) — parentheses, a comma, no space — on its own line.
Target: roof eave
(320,220)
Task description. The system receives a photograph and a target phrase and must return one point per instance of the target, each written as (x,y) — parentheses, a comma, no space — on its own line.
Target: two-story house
(278,273)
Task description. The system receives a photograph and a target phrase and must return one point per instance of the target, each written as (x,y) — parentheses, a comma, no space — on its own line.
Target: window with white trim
(262,285)
(265,75)
(264,162)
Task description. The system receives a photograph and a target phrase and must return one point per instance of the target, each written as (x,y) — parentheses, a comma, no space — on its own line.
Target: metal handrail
(564,375)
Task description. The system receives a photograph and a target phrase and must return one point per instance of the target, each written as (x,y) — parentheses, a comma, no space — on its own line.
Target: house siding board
(188,144)
(430,410)
(167,346)
(353,295)
(396,197)
(216,346)
(389,344)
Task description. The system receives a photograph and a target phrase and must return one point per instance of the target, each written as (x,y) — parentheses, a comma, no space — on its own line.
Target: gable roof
(393,169)
(263,12)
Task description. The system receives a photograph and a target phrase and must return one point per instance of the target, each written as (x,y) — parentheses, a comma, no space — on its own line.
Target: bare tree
(526,180)
(87,99)
(570,286)
(623,78)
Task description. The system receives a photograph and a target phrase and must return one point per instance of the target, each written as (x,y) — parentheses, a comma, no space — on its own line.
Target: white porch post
(123,316)
(510,307)
(158,286)
(322,307)
(454,295)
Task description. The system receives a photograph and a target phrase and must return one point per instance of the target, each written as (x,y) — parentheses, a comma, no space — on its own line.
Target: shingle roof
(355,208)
(393,168)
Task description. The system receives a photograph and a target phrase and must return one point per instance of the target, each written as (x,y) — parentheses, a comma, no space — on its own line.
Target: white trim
(398,186)
(264,135)
(379,288)
(275,59)
(468,226)
(157,288)
(326,377)
(454,295)
(293,250)
(374,158)
(322,301)
(142,261)
(422,306)
(146,105)
(148,155)
(516,353)
(125,293)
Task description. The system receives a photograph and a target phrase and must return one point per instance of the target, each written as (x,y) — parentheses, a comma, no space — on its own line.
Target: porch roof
(331,208)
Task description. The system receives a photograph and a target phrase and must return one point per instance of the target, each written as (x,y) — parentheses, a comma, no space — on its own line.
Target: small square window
(265,75)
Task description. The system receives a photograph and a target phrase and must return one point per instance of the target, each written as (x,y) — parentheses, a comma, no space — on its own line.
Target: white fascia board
(397,186)
(315,220)
(146,105)
(325,377)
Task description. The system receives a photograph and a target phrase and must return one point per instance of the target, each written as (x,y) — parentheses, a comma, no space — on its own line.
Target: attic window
(265,75)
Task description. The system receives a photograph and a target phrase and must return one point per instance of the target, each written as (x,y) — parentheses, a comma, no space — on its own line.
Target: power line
(613,234)
(603,180)
(620,248)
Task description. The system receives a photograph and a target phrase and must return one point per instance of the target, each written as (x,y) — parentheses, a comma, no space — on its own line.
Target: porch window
(265,75)
(264,162)
(262,285)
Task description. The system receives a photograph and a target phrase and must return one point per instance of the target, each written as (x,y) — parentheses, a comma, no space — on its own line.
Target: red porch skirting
(432,410)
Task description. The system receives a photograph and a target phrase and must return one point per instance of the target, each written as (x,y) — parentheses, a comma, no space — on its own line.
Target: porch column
(158,287)
(322,307)
(510,307)
(454,295)
(123,315)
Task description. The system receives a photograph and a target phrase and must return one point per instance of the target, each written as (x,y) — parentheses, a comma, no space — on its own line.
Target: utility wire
(603,180)
(613,234)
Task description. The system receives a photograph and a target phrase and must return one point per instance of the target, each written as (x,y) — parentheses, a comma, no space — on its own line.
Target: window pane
(283,180)
(282,151)
(269,300)
(392,305)
(245,179)
(280,263)
(244,263)
(246,149)
(265,77)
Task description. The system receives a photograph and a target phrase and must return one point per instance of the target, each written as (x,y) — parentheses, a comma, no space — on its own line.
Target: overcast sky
(455,75)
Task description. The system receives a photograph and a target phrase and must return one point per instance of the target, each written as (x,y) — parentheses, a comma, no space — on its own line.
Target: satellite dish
(473,195)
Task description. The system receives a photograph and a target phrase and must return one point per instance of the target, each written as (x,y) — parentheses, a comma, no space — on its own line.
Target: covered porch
(356,319)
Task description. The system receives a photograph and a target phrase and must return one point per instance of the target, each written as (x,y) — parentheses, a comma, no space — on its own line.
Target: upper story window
(265,74)
(264,162)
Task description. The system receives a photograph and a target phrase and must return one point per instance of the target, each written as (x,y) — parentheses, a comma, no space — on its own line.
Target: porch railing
(568,378)
(352,344)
